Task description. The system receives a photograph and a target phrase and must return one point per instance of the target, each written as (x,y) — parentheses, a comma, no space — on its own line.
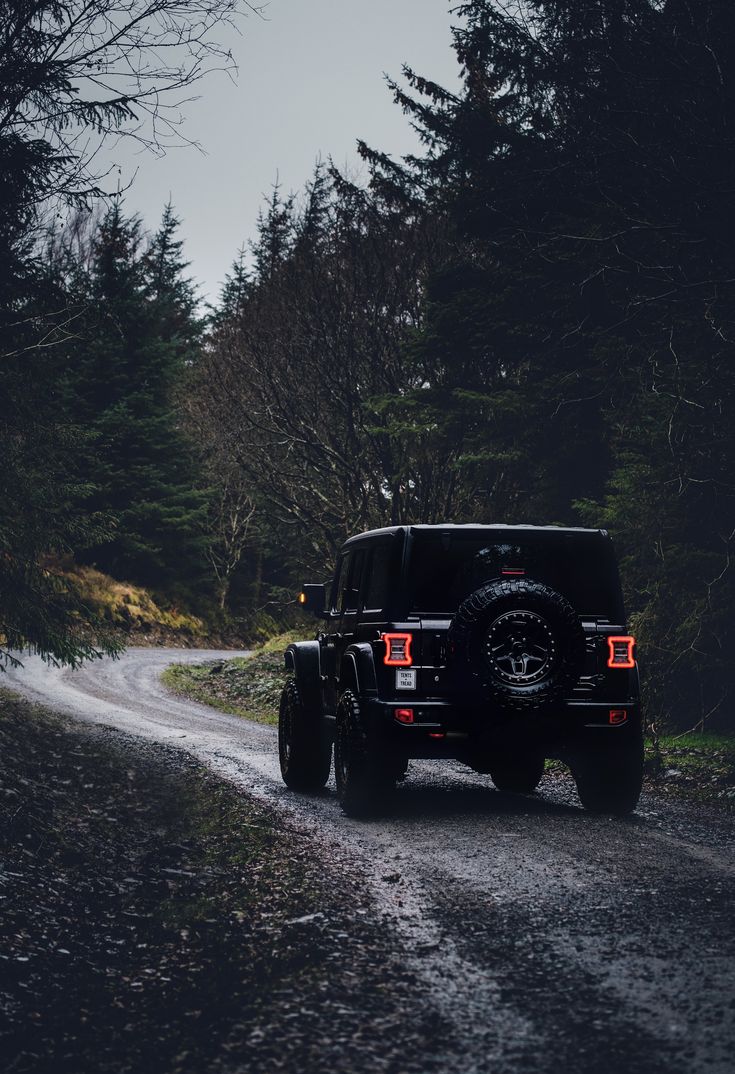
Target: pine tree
(275,235)
(66,85)
(234,291)
(583,327)
(136,352)
(45,496)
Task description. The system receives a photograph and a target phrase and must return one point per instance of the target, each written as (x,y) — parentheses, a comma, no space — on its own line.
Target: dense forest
(531,321)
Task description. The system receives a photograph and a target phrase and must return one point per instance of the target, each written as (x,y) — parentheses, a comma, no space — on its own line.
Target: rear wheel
(364,784)
(304,751)
(610,782)
(520,775)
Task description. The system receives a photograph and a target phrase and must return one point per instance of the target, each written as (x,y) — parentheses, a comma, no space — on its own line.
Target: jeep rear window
(444,568)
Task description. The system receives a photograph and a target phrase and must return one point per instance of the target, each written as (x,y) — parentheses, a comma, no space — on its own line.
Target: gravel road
(548,938)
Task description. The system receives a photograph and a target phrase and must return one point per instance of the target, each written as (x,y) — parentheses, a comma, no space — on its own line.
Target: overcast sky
(310,84)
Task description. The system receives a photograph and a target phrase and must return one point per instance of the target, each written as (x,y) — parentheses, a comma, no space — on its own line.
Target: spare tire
(517,643)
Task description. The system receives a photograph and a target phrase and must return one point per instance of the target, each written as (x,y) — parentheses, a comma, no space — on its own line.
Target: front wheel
(304,751)
(363,784)
(610,782)
(519,775)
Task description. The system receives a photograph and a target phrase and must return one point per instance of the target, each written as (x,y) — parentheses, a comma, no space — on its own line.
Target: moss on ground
(248,686)
(130,608)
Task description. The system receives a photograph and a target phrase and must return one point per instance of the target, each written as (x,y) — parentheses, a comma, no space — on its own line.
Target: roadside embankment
(141,617)
(248,686)
(154,919)
(130,609)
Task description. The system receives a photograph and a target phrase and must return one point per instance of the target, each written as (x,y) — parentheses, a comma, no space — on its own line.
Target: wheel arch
(303,659)
(357,670)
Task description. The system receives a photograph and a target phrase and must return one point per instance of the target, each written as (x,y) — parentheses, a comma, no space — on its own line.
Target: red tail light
(621,652)
(617,716)
(397,650)
(403,715)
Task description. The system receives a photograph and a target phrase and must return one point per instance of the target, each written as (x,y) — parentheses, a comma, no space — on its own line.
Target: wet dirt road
(548,939)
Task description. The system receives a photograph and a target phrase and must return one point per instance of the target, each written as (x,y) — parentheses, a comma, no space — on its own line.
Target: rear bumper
(442,728)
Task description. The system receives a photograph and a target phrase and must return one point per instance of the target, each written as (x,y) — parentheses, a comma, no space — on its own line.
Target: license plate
(405,678)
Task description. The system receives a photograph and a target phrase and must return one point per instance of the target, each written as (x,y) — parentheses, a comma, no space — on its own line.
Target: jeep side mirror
(313,598)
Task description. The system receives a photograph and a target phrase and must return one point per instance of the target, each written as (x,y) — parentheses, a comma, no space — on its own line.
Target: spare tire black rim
(520,647)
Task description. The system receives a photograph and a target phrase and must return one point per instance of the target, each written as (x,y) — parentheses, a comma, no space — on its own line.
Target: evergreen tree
(583,327)
(275,235)
(137,349)
(45,498)
(45,510)
(235,290)
(65,84)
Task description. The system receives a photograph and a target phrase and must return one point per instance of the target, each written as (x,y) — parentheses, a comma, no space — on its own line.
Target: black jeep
(499,646)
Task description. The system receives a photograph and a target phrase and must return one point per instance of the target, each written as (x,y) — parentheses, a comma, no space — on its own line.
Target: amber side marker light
(403,715)
(397,650)
(621,652)
(302,598)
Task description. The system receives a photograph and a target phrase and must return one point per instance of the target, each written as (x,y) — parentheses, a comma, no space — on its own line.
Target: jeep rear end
(497,645)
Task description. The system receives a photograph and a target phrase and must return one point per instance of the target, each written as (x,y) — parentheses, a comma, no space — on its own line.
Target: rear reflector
(621,652)
(403,715)
(436,734)
(618,716)
(512,571)
(397,650)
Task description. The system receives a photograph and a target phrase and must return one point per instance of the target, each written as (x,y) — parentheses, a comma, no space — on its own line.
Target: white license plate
(405,678)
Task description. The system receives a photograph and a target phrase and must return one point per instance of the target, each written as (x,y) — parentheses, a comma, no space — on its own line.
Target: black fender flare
(303,658)
(357,670)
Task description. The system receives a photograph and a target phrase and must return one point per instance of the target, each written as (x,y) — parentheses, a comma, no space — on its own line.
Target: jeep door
(340,630)
(350,600)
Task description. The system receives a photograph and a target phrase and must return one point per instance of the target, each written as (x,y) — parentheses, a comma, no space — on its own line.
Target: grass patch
(248,686)
(695,766)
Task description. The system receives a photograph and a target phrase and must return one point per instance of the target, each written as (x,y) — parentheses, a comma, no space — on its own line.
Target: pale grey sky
(310,84)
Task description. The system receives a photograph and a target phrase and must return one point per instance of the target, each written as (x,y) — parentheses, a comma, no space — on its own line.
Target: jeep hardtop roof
(442,564)
(389,531)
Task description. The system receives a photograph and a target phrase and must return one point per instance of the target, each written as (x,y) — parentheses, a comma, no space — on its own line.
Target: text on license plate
(405,678)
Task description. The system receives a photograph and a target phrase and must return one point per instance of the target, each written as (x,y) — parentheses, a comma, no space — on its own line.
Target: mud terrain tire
(517,644)
(519,775)
(364,783)
(610,782)
(305,754)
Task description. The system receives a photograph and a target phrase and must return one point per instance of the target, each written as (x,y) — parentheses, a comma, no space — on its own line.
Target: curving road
(550,939)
